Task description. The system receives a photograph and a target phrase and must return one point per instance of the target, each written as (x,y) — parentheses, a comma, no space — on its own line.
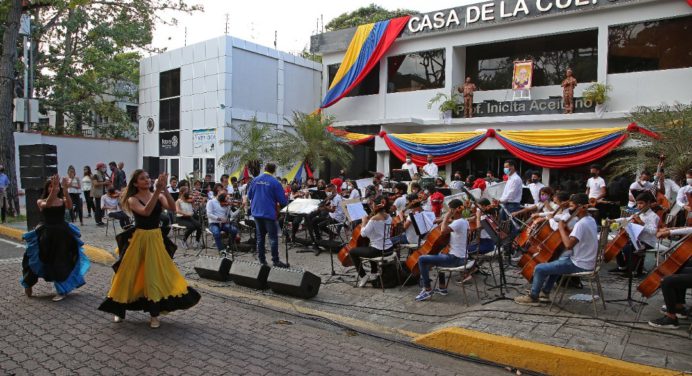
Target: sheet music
(363,183)
(302,206)
(355,211)
(494,192)
(633,231)
(425,221)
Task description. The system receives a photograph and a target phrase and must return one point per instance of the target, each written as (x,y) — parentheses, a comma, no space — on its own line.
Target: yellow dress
(147,278)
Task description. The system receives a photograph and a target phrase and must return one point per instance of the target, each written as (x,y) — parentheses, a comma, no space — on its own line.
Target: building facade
(189,95)
(641,49)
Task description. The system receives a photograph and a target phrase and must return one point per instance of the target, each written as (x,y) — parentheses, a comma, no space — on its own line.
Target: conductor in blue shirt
(266,199)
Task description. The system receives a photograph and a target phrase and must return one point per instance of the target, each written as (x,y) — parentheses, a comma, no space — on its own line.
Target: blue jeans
(263,227)
(444,260)
(217,228)
(551,271)
(482,247)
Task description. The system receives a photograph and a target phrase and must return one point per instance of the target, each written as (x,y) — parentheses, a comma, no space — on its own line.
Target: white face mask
(643,182)
(408,161)
(689,181)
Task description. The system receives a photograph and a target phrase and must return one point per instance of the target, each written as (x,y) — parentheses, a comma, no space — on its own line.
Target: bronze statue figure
(568,85)
(467,90)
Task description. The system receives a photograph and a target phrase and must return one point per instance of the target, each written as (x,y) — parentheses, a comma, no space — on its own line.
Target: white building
(188,95)
(642,49)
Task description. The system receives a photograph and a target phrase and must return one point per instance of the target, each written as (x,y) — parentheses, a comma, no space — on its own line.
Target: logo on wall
(150,125)
(169,143)
(522,75)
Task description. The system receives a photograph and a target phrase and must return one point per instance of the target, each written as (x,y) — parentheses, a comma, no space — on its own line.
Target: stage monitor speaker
(249,274)
(298,283)
(216,268)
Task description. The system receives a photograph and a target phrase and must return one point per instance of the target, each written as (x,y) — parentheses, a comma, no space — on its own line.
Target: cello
(679,255)
(357,240)
(546,245)
(434,243)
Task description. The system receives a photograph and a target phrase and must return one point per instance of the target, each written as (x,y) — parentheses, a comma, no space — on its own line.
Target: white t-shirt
(595,185)
(354,194)
(411,235)
(637,186)
(535,189)
(375,231)
(672,190)
(411,167)
(338,214)
(512,191)
(584,252)
(400,203)
(682,195)
(86,183)
(74,186)
(430,169)
(458,237)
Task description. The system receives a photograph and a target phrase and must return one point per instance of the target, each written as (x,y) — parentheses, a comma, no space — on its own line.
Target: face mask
(506,170)
(544,197)
(642,182)
(430,160)
(593,174)
(408,160)
(689,181)
(534,181)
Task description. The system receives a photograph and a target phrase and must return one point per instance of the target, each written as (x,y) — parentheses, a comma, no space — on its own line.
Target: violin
(678,256)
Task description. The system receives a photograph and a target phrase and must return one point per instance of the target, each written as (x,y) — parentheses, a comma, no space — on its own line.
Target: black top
(52,215)
(149,222)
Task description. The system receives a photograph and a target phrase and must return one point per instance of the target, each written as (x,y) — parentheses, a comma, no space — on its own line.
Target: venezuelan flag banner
(296,173)
(350,138)
(367,47)
(444,147)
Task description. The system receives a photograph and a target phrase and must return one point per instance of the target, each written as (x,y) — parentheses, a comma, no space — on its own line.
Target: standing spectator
(110,203)
(74,189)
(99,185)
(121,167)
(535,186)
(266,196)
(86,188)
(4,184)
(118,178)
(208,184)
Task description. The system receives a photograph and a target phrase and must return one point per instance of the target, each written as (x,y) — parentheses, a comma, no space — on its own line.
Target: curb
(533,356)
(94,254)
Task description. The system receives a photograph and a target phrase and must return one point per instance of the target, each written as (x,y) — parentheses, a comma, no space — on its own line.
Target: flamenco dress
(54,252)
(147,278)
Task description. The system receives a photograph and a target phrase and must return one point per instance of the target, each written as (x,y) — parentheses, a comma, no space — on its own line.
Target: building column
(383,162)
(545,176)
(602,72)
(448,172)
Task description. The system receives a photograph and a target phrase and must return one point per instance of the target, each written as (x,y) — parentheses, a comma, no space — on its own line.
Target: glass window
(654,45)
(490,65)
(132,113)
(169,114)
(416,71)
(370,84)
(169,84)
(211,163)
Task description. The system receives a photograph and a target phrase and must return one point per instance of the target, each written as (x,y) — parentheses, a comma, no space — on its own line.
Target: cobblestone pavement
(616,332)
(218,336)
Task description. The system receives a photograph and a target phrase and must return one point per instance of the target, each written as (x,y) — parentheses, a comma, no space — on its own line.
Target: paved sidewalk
(614,333)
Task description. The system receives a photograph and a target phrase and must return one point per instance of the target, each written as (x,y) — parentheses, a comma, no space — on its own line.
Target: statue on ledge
(568,85)
(467,90)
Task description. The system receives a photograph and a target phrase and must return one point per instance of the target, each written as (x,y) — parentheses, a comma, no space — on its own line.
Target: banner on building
(522,75)
(169,144)
(203,141)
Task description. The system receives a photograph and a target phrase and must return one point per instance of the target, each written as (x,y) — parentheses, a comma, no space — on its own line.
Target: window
(416,71)
(370,84)
(646,46)
(490,65)
(169,115)
(210,162)
(169,84)
(132,113)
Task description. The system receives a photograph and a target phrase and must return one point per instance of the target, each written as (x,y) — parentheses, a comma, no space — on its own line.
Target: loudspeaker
(298,283)
(37,163)
(215,268)
(250,274)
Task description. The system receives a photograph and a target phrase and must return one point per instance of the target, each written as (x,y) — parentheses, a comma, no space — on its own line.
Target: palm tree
(309,141)
(251,144)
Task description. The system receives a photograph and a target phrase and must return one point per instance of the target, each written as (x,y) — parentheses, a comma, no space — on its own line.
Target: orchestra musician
(674,288)
(511,195)
(219,216)
(329,213)
(409,165)
(377,228)
(400,194)
(596,186)
(457,228)
(684,195)
(485,244)
(562,214)
(409,236)
(352,188)
(544,204)
(430,169)
(647,218)
(435,200)
(643,184)
(581,247)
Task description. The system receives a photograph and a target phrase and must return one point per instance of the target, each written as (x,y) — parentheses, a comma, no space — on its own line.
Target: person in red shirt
(478,183)
(436,200)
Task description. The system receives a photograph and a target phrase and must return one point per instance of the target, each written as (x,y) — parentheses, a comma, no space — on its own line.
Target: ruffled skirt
(147,279)
(54,253)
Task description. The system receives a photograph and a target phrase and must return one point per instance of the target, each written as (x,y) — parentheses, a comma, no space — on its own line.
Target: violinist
(684,195)
(219,214)
(562,214)
(457,228)
(377,228)
(647,218)
(544,204)
(400,194)
(581,247)
(674,288)
(485,243)
(415,180)
(329,213)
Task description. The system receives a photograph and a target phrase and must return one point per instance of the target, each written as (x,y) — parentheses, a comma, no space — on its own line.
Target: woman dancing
(54,249)
(147,279)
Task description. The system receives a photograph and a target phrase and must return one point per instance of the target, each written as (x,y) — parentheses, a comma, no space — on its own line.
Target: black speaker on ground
(216,268)
(36,164)
(298,283)
(250,274)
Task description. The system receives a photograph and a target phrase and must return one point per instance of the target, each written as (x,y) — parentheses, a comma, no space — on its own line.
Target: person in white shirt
(110,203)
(535,187)
(74,189)
(409,165)
(457,228)
(218,214)
(511,197)
(400,190)
(430,169)
(581,248)
(630,258)
(671,188)
(643,184)
(354,192)
(329,214)
(683,200)
(409,236)
(543,205)
(377,228)
(596,186)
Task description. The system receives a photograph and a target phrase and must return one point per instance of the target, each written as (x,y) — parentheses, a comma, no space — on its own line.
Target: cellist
(674,288)
(647,218)
(409,235)
(581,248)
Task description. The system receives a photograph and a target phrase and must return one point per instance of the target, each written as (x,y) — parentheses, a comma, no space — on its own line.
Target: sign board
(203,141)
(527,107)
(169,143)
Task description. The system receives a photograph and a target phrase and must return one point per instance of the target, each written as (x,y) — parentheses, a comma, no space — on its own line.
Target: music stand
(526,196)
(630,276)
(445,191)
(418,230)
(318,195)
(499,243)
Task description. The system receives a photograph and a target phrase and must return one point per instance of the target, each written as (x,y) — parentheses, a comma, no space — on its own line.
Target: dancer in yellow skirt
(147,279)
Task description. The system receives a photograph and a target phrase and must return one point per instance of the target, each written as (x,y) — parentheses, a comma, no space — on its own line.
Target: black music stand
(418,230)
(400,175)
(629,300)
(445,191)
(500,242)
(526,196)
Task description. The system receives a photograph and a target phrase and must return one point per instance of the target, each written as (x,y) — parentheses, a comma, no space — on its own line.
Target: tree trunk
(7,63)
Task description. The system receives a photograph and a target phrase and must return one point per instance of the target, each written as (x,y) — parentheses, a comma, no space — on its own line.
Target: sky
(257,20)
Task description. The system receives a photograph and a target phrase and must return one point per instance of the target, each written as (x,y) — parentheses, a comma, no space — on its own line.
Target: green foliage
(306,54)
(674,124)
(309,141)
(448,103)
(364,15)
(597,93)
(251,145)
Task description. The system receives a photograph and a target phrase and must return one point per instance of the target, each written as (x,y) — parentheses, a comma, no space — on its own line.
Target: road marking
(17,245)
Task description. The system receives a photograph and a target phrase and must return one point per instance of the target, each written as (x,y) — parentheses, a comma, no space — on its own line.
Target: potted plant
(598,94)
(448,106)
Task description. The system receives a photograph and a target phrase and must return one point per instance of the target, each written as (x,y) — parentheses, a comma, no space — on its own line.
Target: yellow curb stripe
(94,254)
(533,356)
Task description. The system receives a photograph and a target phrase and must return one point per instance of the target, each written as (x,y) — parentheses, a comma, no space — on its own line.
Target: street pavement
(221,335)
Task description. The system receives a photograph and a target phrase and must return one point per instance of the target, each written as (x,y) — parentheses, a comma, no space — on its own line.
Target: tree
(252,144)
(674,124)
(309,141)
(364,15)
